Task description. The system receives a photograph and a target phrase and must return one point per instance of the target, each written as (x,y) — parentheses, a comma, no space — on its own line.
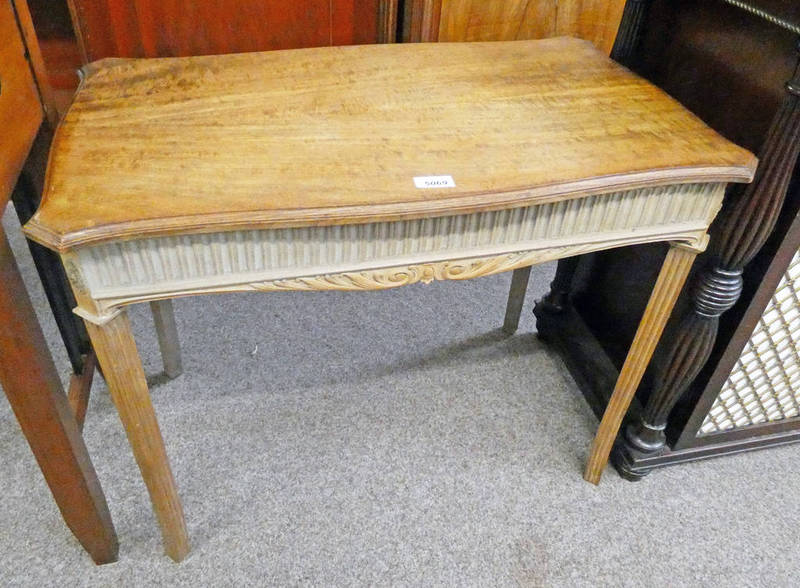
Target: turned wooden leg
(558,296)
(164,318)
(516,298)
(30,381)
(668,285)
(744,226)
(116,351)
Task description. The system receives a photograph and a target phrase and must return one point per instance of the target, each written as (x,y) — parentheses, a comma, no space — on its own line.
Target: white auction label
(434,182)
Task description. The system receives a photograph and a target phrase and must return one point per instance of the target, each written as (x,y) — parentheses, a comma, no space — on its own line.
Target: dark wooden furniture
(27,373)
(32,386)
(736,65)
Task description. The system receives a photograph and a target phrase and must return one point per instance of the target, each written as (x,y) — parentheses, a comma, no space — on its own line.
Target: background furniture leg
(31,383)
(54,279)
(516,298)
(556,299)
(168,342)
(116,352)
(80,386)
(668,285)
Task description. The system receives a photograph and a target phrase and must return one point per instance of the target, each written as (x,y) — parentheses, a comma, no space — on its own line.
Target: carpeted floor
(390,438)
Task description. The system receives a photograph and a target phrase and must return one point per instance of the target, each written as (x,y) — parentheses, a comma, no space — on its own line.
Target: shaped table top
(338,135)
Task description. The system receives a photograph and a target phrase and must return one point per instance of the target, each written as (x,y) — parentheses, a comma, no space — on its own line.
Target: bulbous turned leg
(717,290)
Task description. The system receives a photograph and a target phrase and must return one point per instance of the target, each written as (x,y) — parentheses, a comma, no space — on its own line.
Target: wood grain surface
(158,28)
(337,135)
(594,20)
(20,108)
(508,20)
(497,20)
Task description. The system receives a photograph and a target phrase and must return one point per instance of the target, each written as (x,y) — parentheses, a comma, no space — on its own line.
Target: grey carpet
(390,438)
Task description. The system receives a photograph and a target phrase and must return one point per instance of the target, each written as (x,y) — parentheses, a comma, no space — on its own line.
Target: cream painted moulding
(373,256)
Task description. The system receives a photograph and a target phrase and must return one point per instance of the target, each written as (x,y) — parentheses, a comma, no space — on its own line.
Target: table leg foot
(116,351)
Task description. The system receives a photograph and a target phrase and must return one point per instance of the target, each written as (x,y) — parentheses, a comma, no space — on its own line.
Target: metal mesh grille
(764,385)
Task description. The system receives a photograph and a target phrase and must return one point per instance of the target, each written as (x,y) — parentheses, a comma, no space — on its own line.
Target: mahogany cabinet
(165,28)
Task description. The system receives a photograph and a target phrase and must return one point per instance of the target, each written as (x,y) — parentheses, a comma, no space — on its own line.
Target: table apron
(372,256)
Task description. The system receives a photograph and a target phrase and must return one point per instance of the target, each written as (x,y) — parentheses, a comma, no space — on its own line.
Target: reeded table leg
(668,285)
(116,351)
(31,383)
(516,298)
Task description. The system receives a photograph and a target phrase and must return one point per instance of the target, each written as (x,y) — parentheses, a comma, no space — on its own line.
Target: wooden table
(362,168)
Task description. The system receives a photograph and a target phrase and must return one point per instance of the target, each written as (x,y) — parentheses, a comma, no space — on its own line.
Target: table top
(338,135)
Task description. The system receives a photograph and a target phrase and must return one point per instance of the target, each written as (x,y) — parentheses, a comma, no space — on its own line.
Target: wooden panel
(594,20)
(20,108)
(507,20)
(155,28)
(421,20)
(497,20)
(35,61)
(210,143)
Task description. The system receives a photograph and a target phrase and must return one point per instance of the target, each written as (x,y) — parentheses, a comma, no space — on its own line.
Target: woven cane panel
(765,384)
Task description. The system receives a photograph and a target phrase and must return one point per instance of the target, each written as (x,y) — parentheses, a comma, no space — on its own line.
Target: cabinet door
(20,108)
(161,28)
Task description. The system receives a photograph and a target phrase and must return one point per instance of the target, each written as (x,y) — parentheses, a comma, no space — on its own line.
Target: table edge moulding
(294,170)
